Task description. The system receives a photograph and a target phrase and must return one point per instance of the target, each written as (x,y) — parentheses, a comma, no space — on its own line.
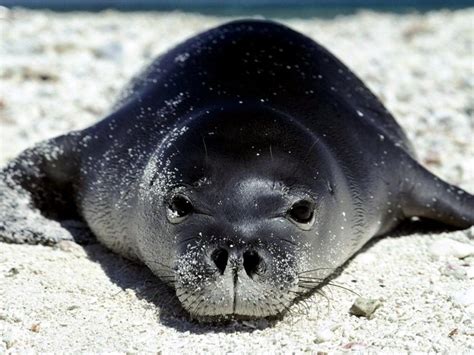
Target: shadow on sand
(137,277)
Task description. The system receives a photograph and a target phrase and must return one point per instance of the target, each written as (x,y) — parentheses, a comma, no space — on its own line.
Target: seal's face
(246,220)
(240,254)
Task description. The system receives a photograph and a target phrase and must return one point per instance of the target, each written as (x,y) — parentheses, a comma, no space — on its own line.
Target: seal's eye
(302,213)
(178,208)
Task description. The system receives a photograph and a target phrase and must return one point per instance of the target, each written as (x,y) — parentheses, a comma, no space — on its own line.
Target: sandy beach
(60,72)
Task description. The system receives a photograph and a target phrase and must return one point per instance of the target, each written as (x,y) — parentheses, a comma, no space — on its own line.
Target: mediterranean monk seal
(242,167)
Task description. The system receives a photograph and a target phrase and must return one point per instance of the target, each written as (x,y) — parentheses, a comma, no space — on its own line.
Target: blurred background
(267,8)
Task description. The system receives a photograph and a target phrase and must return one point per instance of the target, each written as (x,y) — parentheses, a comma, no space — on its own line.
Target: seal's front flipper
(427,196)
(37,198)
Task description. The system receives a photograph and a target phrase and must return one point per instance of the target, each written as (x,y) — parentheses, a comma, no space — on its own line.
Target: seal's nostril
(253,263)
(220,257)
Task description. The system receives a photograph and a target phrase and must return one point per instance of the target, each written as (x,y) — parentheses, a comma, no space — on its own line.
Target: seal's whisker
(187,304)
(287,309)
(206,157)
(311,278)
(308,287)
(318,269)
(196,307)
(161,264)
(295,292)
(328,300)
(164,272)
(300,162)
(289,241)
(179,294)
(261,310)
(322,294)
(308,282)
(342,287)
(307,305)
(165,277)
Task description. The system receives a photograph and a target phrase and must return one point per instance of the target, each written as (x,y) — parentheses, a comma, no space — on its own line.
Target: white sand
(88,299)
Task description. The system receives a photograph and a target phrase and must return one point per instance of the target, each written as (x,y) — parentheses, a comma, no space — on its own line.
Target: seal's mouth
(239,300)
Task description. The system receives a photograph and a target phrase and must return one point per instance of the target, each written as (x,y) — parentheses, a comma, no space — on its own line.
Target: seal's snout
(248,259)
(236,277)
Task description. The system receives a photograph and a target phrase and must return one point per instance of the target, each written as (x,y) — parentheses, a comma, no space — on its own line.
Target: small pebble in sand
(323,334)
(464,298)
(470,272)
(455,271)
(31,73)
(111,51)
(11,318)
(70,247)
(9,340)
(468,260)
(453,332)
(448,247)
(354,346)
(35,327)
(12,272)
(364,307)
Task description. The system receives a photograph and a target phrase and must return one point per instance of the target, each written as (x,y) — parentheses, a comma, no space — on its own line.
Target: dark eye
(178,208)
(302,212)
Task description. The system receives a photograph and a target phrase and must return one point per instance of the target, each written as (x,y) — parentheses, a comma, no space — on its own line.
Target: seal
(242,167)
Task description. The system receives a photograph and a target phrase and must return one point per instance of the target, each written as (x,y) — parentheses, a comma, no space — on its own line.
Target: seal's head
(246,202)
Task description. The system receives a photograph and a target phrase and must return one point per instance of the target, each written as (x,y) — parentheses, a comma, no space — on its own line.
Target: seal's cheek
(236,278)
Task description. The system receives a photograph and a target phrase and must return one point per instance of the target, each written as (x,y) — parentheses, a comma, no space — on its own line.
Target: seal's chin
(235,295)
